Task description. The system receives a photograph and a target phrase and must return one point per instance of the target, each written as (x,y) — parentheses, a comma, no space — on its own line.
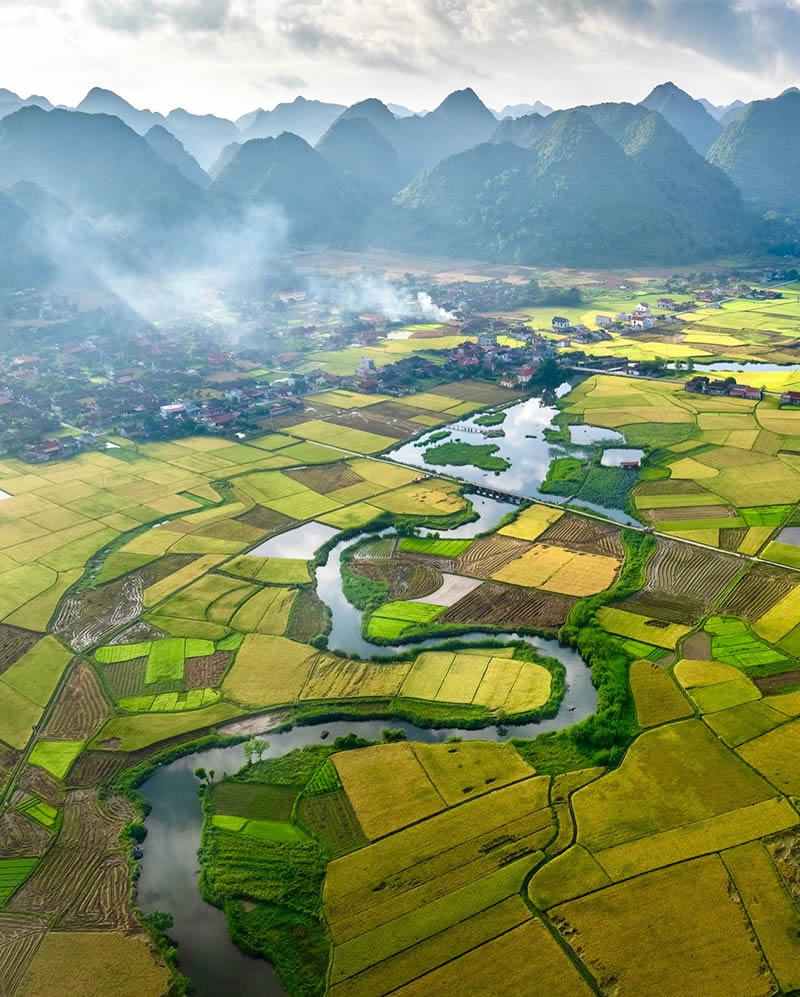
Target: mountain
(583,191)
(460,121)
(100,101)
(25,260)
(761,153)
(685,114)
(165,145)
(524,131)
(223,159)
(319,205)
(357,150)
(104,171)
(519,110)
(10,102)
(309,119)
(203,135)
(399,111)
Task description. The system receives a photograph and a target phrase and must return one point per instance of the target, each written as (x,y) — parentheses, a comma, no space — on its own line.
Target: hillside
(25,260)
(165,145)
(357,150)
(319,205)
(760,152)
(578,193)
(105,171)
(685,114)
(309,119)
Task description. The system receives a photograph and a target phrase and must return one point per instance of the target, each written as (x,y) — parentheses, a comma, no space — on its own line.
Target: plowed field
(499,605)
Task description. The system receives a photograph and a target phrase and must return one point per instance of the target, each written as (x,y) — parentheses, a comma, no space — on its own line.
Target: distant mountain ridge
(685,114)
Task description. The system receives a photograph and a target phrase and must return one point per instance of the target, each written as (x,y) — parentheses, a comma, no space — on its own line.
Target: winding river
(169,870)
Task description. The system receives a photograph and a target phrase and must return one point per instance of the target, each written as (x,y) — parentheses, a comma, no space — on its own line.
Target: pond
(523,445)
(617,457)
(169,870)
(588,435)
(301,542)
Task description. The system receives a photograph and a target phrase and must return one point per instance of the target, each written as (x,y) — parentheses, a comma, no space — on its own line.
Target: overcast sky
(230,56)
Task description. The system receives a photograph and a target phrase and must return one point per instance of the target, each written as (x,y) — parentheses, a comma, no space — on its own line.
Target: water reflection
(618,457)
(301,542)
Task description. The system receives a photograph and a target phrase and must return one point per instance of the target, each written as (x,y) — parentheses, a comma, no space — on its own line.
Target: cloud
(287,81)
(138,16)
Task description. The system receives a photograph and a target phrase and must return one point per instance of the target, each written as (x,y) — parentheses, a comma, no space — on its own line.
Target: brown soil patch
(360,419)
(775,683)
(477,391)
(697,647)
(37,782)
(730,538)
(20,935)
(206,671)
(22,837)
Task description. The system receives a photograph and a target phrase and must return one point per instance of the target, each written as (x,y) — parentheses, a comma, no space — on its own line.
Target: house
(487,339)
(507,382)
(603,321)
(524,374)
(696,384)
(632,370)
(629,463)
(745,391)
(622,317)
(666,304)
(790,398)
(642,320)
(643,308)
(717,388)
(560,323)
(171,411)
(366,366)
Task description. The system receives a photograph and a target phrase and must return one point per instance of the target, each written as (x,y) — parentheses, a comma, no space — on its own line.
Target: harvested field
(22,836)
(89,832)
(81,708)
(666,595)
(436,561)
(731,539)
(85,618)
(670,486)
(485,392)
(694,512)
(406,579)
(327,478)
(262,518)
(698,940)
(36,782)
(761,588)
(20,935)
(775,683)
(307,618)
(14,642)
(580,534)
(206,671)
(489,554)
(138,633)
(499,605)
(698,646)
(373,423)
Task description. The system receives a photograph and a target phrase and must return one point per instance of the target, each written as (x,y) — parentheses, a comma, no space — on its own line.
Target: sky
(228,57)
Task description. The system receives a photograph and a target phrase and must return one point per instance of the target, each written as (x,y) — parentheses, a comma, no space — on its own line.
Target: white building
(603,321)
(559,323)
(642,322)
(366,365)
(643,308)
